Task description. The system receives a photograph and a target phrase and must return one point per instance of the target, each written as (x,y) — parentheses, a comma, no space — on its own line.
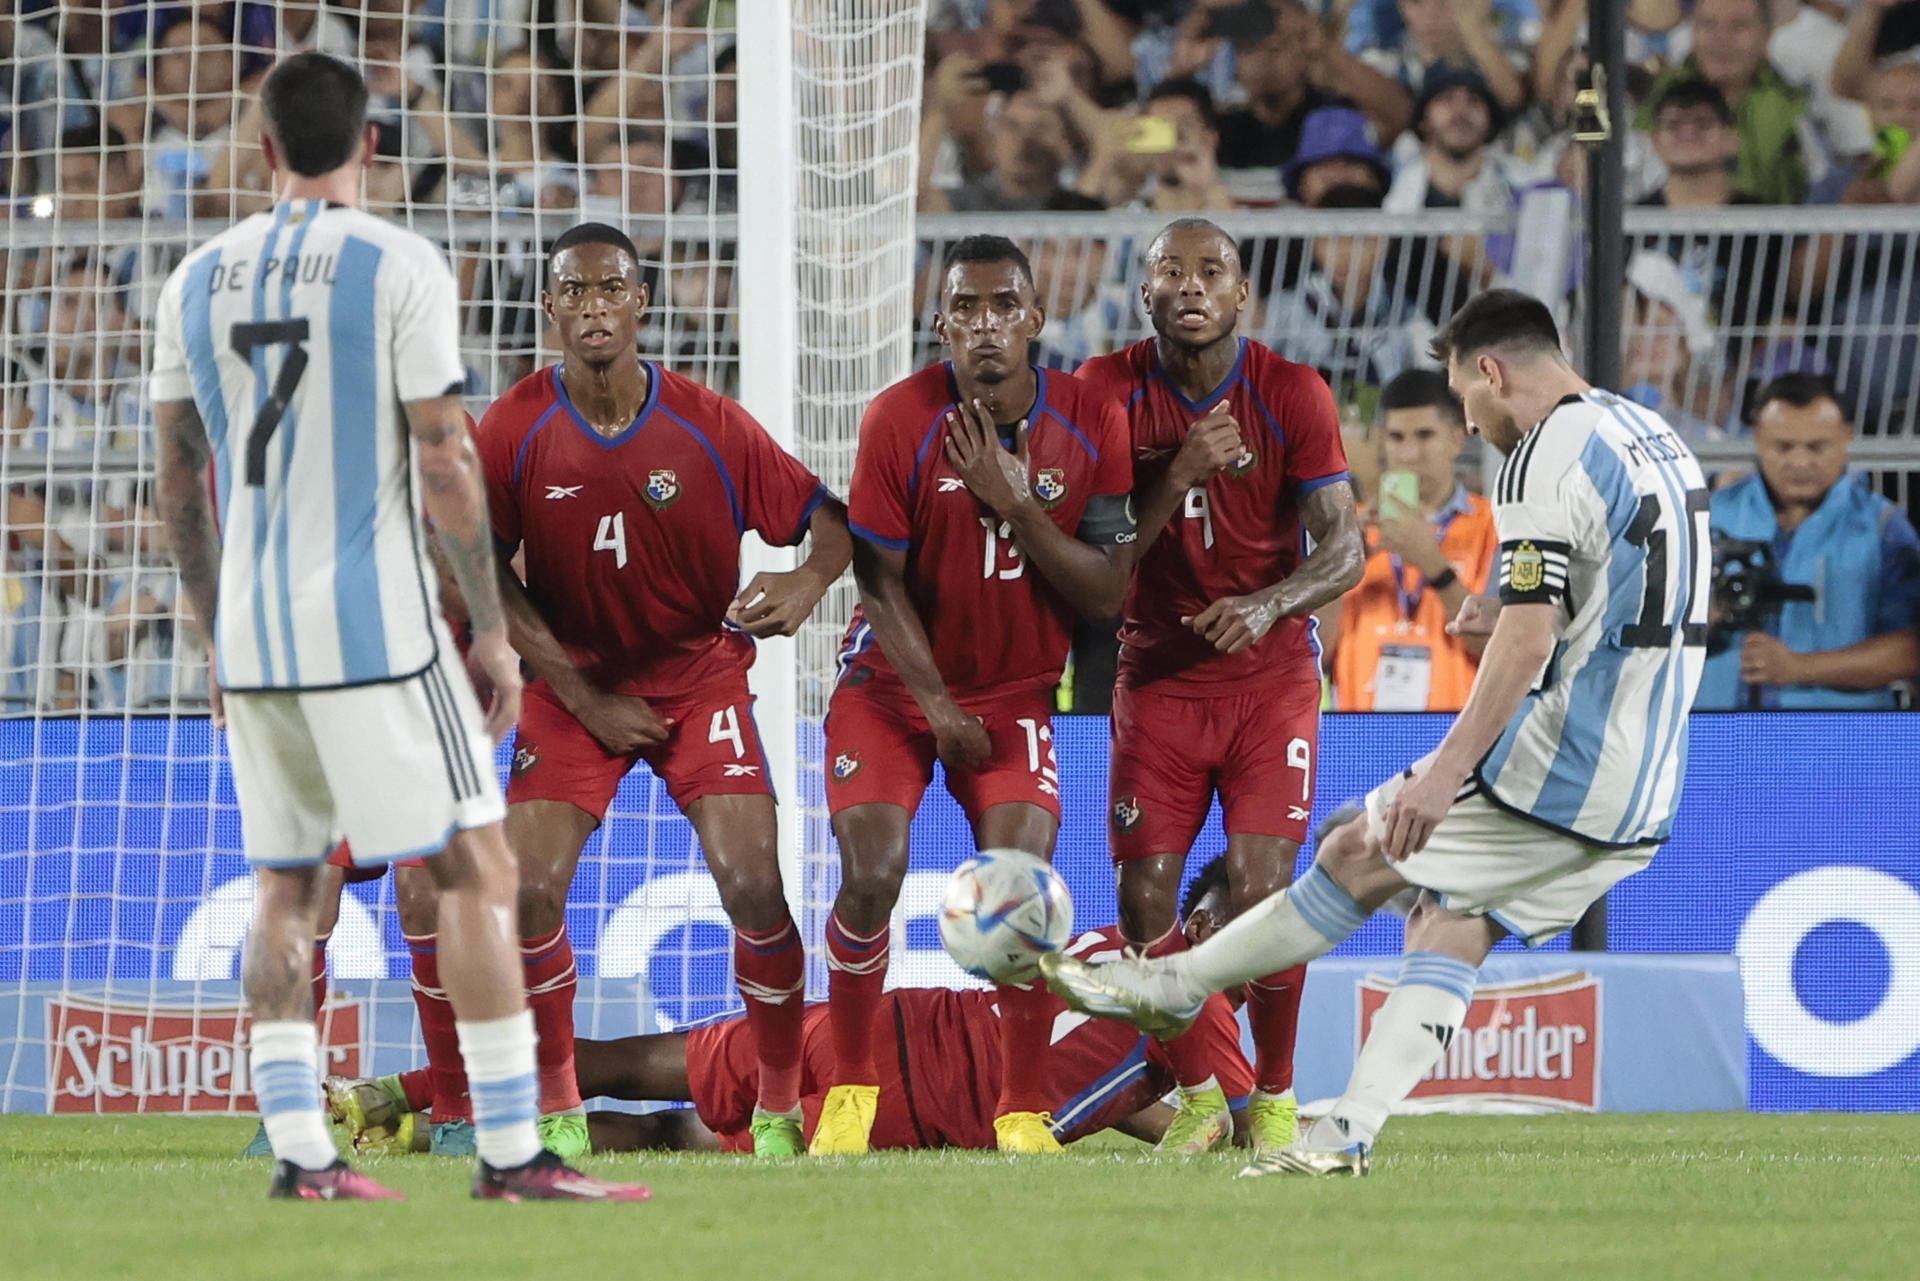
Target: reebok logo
(741,771)
(1296,813)
(564,491)
(951,484)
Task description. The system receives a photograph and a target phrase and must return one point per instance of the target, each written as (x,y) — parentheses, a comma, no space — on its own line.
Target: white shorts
(1485,861)
(396,768)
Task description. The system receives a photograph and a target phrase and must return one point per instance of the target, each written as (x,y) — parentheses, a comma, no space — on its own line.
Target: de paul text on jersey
(305,269)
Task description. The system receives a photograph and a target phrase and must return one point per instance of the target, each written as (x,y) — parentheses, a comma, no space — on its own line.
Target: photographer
(1816,576)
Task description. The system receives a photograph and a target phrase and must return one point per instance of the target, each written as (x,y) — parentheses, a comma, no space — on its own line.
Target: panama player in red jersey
(991,505)
(940,1064)
(1238,459)
(628,488)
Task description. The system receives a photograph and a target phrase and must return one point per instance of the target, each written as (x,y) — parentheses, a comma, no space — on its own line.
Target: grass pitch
(1710,1196)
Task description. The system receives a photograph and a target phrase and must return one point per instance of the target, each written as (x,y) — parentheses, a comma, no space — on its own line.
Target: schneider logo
(107,1058)
(1535,1043)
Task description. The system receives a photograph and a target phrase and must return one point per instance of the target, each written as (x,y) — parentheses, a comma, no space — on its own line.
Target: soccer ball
(1002,909)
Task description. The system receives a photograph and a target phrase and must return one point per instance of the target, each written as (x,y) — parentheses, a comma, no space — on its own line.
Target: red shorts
(880,749)
(342,857)
(713,749)
(1171,754)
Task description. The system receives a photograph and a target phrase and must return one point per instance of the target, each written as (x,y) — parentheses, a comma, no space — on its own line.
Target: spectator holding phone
(1163,158)
(1430,545)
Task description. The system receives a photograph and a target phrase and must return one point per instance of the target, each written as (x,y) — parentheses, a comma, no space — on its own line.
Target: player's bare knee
(1150,897)
(416,902)
(1433,928)
(1353,858)
(753,898)
(868,891)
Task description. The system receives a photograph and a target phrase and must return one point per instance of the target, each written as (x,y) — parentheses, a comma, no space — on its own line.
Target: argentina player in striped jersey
(1559,777)
(310,356)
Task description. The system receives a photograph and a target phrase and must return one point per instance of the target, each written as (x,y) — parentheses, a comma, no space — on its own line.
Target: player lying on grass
(1561,775)
(939,1064)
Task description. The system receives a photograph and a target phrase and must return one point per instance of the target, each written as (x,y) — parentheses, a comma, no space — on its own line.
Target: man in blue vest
(1855,638)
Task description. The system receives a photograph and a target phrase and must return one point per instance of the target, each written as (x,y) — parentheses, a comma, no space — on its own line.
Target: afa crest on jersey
(663,487)
(845,766)
(1050,485)
(1526,568)
(1127,813)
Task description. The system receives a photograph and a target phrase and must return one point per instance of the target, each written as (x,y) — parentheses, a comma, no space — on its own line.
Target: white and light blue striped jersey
(1602,511)
(299,333)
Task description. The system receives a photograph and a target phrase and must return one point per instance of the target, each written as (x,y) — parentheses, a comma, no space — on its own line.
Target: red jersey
(633,541)
(1238,534)
(940,1066)
(992,623)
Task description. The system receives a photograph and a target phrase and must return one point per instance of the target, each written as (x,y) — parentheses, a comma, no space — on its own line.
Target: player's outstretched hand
(1001,479)
(1232,623)
(621,723)
(1477,616)
(1416,810)
(496,667)
(776,604)
(961,742)
(1213,444)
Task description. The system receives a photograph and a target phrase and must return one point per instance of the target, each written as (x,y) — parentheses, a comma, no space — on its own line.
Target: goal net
(134,136)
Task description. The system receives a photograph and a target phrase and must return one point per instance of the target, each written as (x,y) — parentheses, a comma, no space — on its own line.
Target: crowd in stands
(120,120)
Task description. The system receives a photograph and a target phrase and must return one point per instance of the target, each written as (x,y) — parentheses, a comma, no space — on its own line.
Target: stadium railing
(1716,303)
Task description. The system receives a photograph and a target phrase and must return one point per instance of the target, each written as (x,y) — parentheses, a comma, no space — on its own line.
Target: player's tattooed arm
(777,604)
(1092,578)
(1234,623)
(881,572)
(1213,444)
(457,506)
(187,508)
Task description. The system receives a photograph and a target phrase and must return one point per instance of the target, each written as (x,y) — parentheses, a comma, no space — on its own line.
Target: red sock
(857,971)
(1189,1052)
(1026,1026)
(551,981)
(449,1071)
(417,1085)
(319,973)
(1273,1012)
(771,970)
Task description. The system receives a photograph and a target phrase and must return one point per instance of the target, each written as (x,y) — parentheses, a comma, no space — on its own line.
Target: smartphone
(1151,136)
(1004,77)
(1399,489)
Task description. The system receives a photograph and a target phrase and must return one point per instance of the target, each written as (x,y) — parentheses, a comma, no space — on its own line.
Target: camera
(1747,587)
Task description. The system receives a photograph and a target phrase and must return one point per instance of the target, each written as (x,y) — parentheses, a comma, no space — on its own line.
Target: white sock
(284,1060)
(1309,918)
(504,1084)
(1409,1034)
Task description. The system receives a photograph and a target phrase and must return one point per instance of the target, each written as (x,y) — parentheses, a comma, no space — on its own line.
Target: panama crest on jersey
(845,766)
(1050,485)
(663,487)
(1245,463)
(1127,813)
(525,757)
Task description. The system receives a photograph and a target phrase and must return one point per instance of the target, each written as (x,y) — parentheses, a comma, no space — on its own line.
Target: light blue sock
(1309,918)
